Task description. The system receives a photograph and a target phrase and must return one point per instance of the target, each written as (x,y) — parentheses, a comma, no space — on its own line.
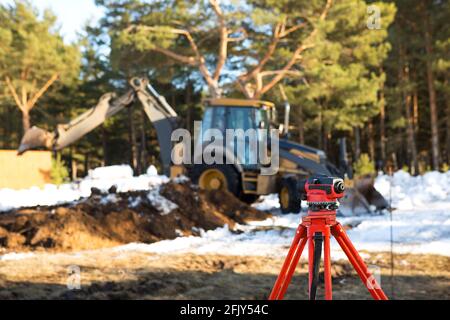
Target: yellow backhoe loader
(241,178)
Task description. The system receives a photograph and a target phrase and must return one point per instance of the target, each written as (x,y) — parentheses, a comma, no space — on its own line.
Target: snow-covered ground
(420,223)
(100,178)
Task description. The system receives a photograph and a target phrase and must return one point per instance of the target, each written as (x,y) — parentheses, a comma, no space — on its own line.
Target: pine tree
(342,80)
(415,89)
(33,56)
(259,41)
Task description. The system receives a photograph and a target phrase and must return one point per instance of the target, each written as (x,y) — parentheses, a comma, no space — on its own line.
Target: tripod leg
(327,269)
(358,263)
(289,265)
(318,242)
(292,268)
(311,248)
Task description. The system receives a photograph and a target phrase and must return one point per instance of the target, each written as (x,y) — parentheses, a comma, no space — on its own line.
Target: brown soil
(111,274)
(91,224)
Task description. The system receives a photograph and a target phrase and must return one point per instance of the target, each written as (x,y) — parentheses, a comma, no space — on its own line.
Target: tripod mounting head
(323,192)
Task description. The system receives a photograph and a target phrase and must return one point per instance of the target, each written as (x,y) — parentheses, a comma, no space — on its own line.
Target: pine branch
(223,47)
(40,93)
(184,59)
(269,53)
(198,61)
(297,54)
(14,93)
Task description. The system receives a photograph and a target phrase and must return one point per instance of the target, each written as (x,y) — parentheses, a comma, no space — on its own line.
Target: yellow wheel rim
(284,197)
(213,179)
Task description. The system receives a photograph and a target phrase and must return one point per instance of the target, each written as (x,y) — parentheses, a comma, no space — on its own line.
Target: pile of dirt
(107,220)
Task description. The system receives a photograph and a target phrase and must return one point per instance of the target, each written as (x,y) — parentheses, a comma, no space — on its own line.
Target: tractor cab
(245,119)
(225,114)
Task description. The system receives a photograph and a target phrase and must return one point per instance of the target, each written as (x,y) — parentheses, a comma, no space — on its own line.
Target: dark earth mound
(103,221)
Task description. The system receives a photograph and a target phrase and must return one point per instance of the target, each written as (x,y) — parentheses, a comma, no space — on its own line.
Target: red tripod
(316,230)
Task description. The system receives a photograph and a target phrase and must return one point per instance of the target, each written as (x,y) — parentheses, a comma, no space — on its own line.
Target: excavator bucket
(35,138)
(366,187)
(363,198)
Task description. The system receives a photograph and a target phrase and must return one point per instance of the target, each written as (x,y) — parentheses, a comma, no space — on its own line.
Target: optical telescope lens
(339,187)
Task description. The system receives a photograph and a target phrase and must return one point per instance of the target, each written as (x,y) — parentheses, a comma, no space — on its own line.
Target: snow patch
(162,204)
(421,225)
(113,172)
(181,179)
(268,203)
(408,193)
(101,178)
(110,198)
(134,203)
(421,221)
(152,171)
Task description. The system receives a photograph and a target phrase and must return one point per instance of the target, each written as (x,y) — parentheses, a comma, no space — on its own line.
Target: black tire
(230,173)
(290,197)
(249,198)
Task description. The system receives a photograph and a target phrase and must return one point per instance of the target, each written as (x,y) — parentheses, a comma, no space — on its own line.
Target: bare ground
(53,234)
(109,274)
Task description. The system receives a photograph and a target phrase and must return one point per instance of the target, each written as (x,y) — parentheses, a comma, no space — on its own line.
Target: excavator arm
(159,112)
(161,115)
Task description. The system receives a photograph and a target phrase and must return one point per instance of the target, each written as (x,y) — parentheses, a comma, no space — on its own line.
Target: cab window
(241,118)
(214,118)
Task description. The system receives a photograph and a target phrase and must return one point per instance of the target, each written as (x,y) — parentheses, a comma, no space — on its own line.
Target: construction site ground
(111,274)
(41,247)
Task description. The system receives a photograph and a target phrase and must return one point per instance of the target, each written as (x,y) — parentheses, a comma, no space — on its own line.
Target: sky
(72,14)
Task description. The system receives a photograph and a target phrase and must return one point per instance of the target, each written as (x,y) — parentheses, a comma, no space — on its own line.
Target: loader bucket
(354,203)
(35,138)
(363,198)
(366,186)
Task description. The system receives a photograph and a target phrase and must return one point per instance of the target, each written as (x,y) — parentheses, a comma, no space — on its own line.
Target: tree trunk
(448,130)
(448,121)
(25,121)
(432,94)
(301,125)
(416,111)
(415,105)
(394,161)
(73,169)
(383,126)
(411,145)
(357,134)
(371,140)
(190,107)
(26,103)
(320,140)
(86,164)
(105,146)
(9,128)
(71,163)
(405,81)
(325,140)
(412,149)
